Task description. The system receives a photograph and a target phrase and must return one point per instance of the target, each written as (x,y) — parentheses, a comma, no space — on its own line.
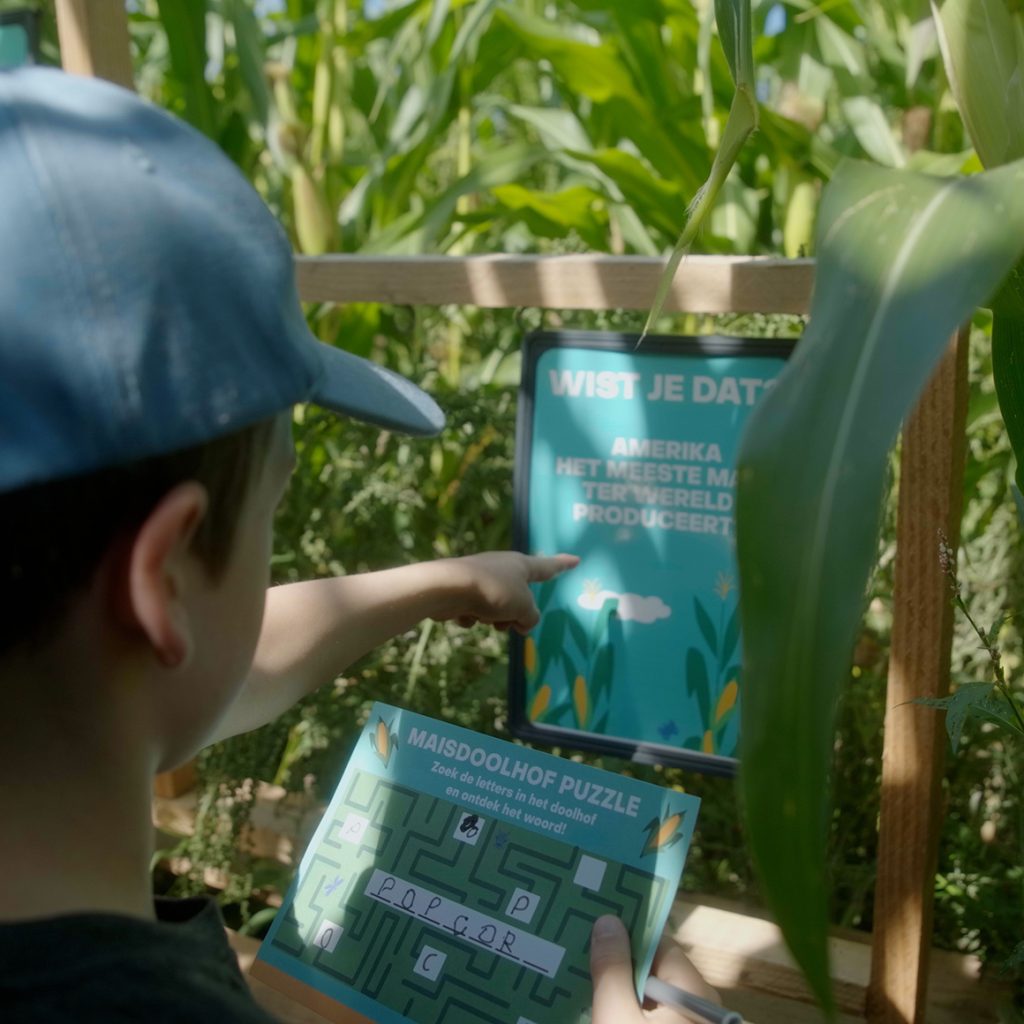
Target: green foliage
(969,699)
(885,304)
(733,20)
(982,45)
(716,690)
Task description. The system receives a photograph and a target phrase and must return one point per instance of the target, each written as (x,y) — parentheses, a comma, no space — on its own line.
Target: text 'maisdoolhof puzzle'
(456,877)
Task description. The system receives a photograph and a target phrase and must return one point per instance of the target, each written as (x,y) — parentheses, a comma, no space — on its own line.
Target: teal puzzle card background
(457,877)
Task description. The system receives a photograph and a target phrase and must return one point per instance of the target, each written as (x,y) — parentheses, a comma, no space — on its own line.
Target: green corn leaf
(742,121)
(731,635)
(554,214)
(557,714)
(734,29)
(707,627)
(184,21)
(467,40)
(589,69)
(1008,363)
(733,17)
(549,645)
(438,15)
(982,44)
(604,665)
(418,231)
(871,127)
(697,683)
(578,634)
(896,274)
(544,593)
(556,128)
(653,198)
(570,670)
(251,48)
(599,635)
(840,50)
(921,44)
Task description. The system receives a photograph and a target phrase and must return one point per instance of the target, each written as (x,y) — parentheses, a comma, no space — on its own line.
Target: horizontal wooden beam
(703,284)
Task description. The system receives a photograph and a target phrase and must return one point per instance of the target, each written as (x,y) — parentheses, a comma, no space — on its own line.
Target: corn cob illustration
(530,656)
(540,702)
(383,740)
(727,700)
(581,701)
(661,835)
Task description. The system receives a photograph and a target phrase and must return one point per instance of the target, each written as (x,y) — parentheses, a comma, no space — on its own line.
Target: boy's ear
(153,598)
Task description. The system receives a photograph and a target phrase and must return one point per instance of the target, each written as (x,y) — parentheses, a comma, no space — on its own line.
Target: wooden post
(94,39)
(930,500)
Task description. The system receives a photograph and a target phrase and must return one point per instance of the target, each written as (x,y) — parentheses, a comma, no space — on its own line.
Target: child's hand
(611,966)
(493,588)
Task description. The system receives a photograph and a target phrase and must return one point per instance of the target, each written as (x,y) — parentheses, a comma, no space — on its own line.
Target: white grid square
(327,935)
(590,873)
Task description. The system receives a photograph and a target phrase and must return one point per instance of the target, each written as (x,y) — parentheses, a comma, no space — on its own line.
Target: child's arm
(313,631)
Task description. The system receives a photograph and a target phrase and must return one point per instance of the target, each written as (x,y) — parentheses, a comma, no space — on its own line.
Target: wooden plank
(744,956)
(94,39)
(703,284)
(176,782)
(930,499)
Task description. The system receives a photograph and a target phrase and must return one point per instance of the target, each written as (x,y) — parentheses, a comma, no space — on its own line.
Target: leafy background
(466,126)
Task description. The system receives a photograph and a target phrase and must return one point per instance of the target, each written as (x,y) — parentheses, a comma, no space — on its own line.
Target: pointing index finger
(543,568)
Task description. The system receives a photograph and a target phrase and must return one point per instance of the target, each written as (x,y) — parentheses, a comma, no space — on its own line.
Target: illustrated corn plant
(568,669)
(713,675)
(903,259)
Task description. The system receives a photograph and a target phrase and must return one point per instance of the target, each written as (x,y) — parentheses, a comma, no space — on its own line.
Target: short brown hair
(54,535)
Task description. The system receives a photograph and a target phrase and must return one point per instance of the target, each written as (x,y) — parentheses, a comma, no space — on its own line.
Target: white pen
(669,995)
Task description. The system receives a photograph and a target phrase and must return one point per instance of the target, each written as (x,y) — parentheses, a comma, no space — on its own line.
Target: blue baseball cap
(147,294)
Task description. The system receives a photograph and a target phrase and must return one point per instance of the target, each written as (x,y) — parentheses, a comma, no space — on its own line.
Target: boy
(151,349)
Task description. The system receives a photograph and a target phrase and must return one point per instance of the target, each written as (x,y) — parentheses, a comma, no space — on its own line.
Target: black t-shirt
(114,968)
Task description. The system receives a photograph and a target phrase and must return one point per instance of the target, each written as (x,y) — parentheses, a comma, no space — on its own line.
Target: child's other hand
(494,588)
(611,966)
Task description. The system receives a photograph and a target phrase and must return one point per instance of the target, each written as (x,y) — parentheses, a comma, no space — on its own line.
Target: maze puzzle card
(456,877)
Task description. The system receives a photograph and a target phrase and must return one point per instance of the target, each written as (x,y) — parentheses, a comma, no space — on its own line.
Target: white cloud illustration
(632,607)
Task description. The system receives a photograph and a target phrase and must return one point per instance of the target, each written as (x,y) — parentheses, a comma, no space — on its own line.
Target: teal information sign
(19,39)
(626,457)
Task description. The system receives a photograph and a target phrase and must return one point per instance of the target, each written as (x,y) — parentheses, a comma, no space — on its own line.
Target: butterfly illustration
(667,730)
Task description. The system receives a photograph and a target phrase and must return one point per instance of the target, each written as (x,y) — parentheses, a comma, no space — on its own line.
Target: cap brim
(365,391)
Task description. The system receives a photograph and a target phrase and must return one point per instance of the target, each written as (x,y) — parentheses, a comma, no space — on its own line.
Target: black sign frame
(534,346)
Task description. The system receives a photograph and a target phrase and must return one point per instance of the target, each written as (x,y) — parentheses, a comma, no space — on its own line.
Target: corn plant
(903,259)
(713,675)
(568,669)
